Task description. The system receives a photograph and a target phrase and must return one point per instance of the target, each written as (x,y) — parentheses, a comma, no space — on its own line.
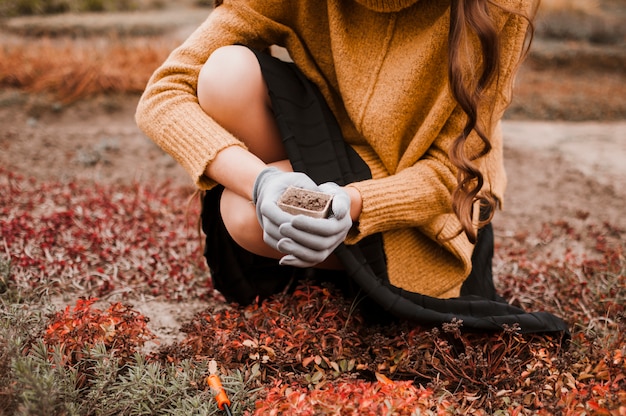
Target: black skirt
(315,146)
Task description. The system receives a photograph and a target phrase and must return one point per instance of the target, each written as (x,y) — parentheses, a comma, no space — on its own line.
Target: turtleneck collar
(386,6)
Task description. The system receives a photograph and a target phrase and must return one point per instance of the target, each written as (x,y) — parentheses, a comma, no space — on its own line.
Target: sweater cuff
(196,144)
(396,202)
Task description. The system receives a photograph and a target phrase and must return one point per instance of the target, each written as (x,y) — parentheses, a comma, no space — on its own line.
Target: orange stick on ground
(223,402)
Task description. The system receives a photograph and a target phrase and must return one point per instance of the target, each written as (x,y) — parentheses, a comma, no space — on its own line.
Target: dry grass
(75,69)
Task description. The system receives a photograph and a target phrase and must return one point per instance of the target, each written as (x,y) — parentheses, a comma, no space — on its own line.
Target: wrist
(265,173)
(356,202)
(236,169)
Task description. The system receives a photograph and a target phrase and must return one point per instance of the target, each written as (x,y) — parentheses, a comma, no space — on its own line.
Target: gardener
(392,106)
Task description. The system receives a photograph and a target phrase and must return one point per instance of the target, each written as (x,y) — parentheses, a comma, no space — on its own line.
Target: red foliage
(121,329)
(100,239)
(312,347)
(348,398)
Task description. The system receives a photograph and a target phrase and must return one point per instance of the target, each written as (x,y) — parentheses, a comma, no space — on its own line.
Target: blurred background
(575,72)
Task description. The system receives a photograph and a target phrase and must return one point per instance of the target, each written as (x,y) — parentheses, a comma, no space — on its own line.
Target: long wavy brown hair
(472,17)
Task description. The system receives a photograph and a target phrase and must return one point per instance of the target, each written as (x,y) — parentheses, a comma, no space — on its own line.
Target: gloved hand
(268,188)
(309,241)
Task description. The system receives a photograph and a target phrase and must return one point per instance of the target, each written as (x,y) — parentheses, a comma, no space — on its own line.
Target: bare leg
(231,89)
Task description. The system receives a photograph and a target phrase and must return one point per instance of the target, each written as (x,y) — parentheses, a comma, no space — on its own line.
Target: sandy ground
(555,168)
(559,169)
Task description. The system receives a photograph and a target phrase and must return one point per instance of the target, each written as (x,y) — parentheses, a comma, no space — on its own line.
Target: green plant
(80,367)
(30,7)
(22,319)
(47,385)
(582,20)
(576,25)
(5,273)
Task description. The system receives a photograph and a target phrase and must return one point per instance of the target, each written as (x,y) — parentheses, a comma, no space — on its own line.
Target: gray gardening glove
(268,188)
(309,241)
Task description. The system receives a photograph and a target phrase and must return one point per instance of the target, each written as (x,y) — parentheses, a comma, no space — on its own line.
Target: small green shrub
(38,378)
(21,321)
(5,272)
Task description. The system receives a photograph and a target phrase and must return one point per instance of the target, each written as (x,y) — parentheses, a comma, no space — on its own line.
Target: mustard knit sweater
(382,67)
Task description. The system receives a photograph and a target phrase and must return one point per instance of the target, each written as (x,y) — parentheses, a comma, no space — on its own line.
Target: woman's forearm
(236,169)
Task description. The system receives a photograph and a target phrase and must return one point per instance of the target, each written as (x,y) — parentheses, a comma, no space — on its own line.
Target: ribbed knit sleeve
(413,197)
(168,111)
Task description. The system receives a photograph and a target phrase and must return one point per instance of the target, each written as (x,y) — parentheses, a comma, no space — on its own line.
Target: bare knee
(231,89)
(229,79)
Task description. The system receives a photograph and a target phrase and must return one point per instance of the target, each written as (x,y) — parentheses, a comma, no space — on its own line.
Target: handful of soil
(306,202)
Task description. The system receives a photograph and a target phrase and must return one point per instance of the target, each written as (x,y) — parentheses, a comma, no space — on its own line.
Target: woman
(392,106)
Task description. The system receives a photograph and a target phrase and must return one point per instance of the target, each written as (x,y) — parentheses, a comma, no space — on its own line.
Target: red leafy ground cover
(99,240)
(119,328)
(311,351)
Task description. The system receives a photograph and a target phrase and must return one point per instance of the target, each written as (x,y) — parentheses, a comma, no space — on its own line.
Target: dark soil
(304,199)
